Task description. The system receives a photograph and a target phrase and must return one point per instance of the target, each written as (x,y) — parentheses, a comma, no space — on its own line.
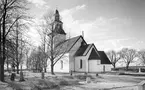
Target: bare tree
(10,52)
(35,61)
(27,50)
(20,45)
(114,57)
(43,35)
(55,47)
(20,54)
(128,55)
(8,9)
(142,56)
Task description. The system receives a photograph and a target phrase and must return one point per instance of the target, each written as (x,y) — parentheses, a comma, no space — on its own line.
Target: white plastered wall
(57,67)
(72,52)
(84,64)
(95,67)
(91,65)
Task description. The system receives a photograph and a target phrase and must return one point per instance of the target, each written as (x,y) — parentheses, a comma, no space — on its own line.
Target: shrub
(142,70)
(63,82)
(115,69)
(121,73)
(46,84)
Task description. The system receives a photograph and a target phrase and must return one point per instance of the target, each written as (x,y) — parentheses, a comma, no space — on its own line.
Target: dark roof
(104,58)
(84,49)
(89,47)
(56,11)
(59,27)
(59,30)
(69,43)
(81,50)
(59,24)
(93,55)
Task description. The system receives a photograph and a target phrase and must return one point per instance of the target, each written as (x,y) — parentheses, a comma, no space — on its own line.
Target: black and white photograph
(72,44)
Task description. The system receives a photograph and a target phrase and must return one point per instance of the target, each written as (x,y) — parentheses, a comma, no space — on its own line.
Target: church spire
(58,23)
(57,15)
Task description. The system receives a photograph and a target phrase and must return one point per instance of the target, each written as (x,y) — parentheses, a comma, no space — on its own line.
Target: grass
(58,82)
(50,82)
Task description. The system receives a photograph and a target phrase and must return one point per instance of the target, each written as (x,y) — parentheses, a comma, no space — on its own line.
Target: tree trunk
(17,68)
(17,46)
(2,73)
(1,67)
(3,43)
(114,66)
(52,68)
(13,66)
(0,49)
(3,60)
(7,66)
(127,66)
(45,69)
(27,65)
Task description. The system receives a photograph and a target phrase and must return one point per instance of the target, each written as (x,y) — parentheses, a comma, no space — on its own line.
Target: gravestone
(42,75)
(97,75)
(88,80)
(13,75)
(71,72)
(21,77)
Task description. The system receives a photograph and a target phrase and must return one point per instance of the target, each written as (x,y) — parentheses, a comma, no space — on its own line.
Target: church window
(61,62)
(81,63)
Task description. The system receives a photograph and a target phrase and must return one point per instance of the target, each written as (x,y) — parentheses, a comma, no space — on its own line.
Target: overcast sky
(109,24)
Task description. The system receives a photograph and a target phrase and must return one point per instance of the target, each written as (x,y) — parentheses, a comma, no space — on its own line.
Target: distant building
(79,56)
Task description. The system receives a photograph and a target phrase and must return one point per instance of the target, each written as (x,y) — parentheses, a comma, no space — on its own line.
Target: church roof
(59,24)
(59,30)
(93,55)
(56,11)
(82,49)
(69,43)
(104,58)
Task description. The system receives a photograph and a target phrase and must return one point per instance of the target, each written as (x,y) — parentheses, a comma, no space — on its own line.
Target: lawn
(104,81)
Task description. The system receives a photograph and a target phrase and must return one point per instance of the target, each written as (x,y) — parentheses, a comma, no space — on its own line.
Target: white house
(79,56)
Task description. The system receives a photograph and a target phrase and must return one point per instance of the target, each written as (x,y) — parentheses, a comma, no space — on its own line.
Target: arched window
(61,64)
(81,63)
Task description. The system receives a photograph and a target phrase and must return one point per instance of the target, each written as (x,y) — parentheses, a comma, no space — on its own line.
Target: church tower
(58,29)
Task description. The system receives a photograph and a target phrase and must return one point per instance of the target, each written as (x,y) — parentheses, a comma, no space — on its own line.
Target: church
(79,56)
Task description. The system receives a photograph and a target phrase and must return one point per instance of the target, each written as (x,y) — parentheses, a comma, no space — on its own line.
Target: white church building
(79,56)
